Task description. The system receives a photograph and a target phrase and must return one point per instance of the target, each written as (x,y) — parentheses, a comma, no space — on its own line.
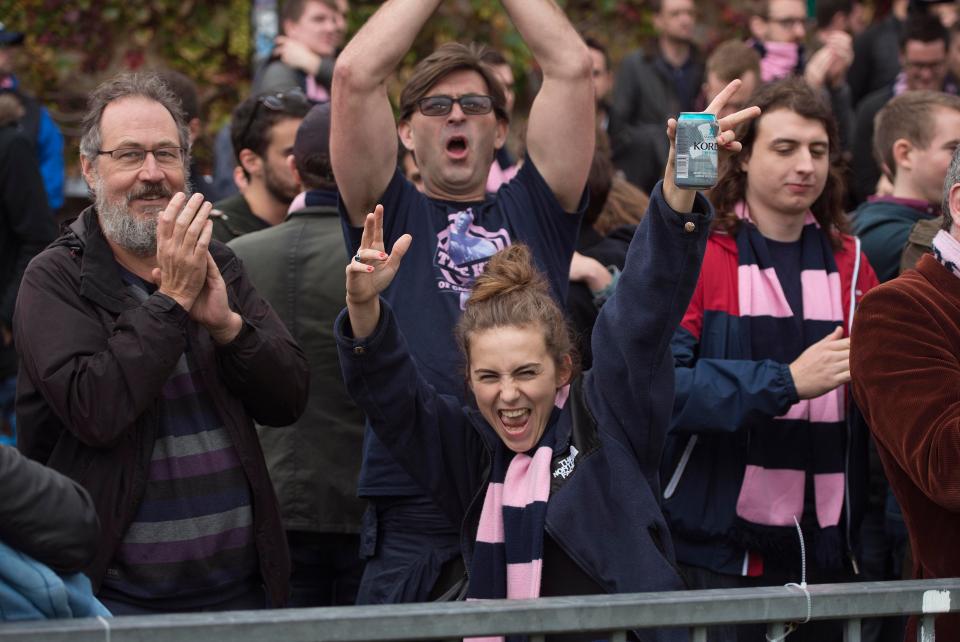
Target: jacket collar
(576,436)
(942,279)
(319,211)
(99,278)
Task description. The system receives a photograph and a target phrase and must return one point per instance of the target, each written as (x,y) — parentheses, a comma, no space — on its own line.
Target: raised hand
(297,55)
(183,236)
(727,144)
(370,272)
(823,366)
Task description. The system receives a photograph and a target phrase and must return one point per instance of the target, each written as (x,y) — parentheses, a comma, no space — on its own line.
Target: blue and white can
(697,160)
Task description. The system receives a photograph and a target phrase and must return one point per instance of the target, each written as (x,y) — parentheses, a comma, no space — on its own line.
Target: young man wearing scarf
(904,362)
(760,446)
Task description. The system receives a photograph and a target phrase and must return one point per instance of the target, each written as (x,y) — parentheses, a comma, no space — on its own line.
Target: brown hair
(909,116)
(446,59)
(512,292)
(292,10)
(794,95)
(733,59)
(626,204)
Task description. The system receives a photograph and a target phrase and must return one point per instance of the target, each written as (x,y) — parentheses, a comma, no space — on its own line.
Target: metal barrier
(613,614)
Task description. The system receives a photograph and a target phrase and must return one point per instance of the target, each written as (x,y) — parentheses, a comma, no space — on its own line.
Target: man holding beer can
(760,456)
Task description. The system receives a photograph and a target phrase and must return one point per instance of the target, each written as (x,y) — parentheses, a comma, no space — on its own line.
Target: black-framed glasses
(133,157)
(276,101)
(470,104)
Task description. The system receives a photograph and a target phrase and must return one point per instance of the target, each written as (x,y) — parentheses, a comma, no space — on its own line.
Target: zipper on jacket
(681,466)
(846,476)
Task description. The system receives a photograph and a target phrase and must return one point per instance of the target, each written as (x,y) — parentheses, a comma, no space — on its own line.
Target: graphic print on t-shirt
(463,250)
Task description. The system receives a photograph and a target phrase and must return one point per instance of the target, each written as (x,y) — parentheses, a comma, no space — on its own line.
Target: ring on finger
(356,257)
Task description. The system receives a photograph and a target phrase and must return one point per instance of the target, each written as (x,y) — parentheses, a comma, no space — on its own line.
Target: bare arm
(565,102)
(363,134)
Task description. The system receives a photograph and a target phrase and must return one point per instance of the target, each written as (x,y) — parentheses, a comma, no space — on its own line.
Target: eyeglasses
(471,104)
(278,101)
(789,23)
(133,157)
(925,66)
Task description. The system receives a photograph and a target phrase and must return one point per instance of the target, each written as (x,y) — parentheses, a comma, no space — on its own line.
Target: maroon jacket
(905,364)
(93,361)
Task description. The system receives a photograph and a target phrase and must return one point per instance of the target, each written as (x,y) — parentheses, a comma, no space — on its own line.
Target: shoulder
(529,183)
(721,247)
(276,75)
(259,241)
(905,296)
(13,142)
(57,264)
(846,255)
(872,102)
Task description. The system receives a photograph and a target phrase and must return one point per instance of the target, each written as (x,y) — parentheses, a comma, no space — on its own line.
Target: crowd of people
(557,372)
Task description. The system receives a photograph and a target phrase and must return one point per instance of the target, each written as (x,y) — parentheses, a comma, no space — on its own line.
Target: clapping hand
(186,271)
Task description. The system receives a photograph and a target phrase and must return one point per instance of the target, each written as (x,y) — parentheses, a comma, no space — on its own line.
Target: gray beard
(135,233)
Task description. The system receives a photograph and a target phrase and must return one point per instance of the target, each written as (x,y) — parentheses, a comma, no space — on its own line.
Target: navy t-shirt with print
(452,243)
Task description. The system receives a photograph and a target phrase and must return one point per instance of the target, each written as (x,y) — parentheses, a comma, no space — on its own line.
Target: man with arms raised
(452,116)
(145,356)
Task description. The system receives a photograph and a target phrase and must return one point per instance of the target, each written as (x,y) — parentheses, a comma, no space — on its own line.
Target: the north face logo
(566,465)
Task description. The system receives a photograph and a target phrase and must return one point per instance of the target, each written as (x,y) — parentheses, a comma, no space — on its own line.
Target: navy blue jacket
(603,510)
(720,392)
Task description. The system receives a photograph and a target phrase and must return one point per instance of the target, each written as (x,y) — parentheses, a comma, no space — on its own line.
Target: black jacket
(46,515)
(93,362)
(26,225)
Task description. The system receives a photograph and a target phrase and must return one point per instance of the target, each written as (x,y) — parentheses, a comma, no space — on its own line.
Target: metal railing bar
(699,634)
(851,630)
(437,621)
(776,631)
(619,636)
(925,630)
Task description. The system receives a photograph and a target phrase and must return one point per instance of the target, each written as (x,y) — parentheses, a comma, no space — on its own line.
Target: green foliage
(72,45)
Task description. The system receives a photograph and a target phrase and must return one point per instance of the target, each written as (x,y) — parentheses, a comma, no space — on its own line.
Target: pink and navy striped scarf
(508,553)
(946,250)
(809,440)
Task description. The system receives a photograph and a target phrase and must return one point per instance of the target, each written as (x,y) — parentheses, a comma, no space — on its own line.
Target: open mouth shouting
(514,421)
(457,147)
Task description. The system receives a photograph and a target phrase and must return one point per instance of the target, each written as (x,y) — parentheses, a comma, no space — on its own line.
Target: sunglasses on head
(277,101)
(470,104)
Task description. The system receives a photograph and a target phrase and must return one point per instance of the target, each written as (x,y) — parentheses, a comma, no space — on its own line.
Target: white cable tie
(802,586)
(106,627)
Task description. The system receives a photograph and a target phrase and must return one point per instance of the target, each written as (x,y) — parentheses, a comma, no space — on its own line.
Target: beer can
(696,166)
